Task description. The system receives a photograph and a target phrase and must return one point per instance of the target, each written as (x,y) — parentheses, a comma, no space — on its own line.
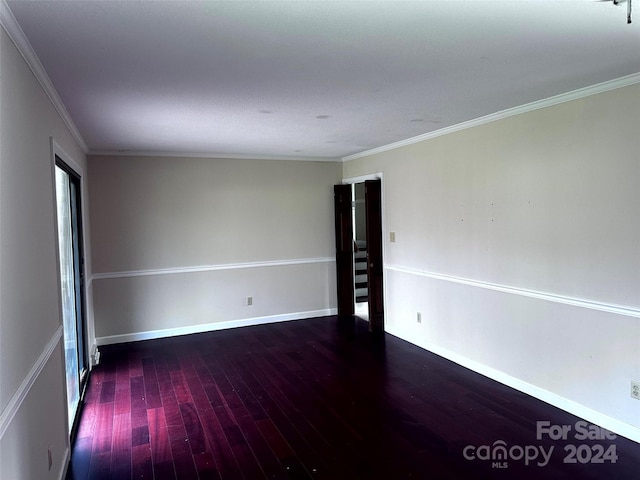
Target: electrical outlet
(392,237)
(49,457)
(249,301)
(635,390)
(419,317)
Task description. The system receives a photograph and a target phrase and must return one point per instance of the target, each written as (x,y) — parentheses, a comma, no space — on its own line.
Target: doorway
(71,258)
(361,284)
(359,265)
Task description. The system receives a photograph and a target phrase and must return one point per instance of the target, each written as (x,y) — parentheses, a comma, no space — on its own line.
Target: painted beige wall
(172,301)
(151,213)
(23,448)
(546,201)
(29,302)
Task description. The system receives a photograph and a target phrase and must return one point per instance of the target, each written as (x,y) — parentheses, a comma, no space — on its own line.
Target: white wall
(32,397)
(180,243)
(506,234)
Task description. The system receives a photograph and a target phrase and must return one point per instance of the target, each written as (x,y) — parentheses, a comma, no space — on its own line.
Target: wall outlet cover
(635,390)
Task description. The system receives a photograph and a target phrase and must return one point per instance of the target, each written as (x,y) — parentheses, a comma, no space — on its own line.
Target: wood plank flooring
(319,399)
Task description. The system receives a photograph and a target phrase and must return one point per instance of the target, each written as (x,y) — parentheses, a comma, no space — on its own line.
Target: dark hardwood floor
(322,399)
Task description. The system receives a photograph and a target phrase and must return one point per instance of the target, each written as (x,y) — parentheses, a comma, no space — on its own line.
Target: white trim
(510,112)
(15,32)
(211,268)
(56,149)
(210,327)
(362,178)
(612,424)
(23,390)
(576,302)
(232,156)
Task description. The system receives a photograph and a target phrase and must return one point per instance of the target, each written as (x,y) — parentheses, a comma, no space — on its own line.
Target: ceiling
(306,79)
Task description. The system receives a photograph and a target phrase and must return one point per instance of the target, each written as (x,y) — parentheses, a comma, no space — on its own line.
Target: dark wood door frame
(373,204)
(344,249)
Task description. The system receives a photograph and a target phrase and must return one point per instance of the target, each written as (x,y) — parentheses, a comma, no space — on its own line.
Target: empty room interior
(170,181)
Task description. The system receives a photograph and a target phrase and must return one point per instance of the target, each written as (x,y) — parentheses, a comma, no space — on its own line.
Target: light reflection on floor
(362,310)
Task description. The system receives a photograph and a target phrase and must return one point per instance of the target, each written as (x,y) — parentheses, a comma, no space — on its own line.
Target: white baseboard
(210,327)
(593,416)
(586,413)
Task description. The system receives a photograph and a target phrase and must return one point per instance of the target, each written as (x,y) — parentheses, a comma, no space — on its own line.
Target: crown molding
(15,32)
(233,156)
(510,112)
